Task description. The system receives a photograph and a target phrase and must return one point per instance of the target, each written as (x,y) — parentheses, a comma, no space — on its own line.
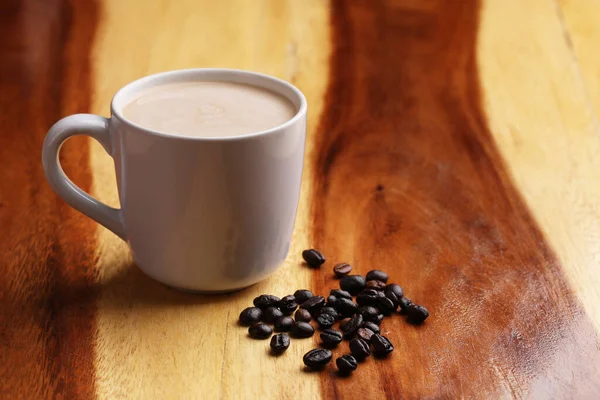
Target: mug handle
(97,128)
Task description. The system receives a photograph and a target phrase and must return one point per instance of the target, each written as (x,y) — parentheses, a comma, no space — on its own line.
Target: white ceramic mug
(202,214)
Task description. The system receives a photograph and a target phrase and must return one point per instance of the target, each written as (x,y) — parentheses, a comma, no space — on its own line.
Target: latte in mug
(208,109)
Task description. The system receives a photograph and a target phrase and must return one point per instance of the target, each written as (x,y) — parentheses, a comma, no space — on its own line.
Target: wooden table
(454,144)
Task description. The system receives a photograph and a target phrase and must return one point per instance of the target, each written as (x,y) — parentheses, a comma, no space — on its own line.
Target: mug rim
(141,83)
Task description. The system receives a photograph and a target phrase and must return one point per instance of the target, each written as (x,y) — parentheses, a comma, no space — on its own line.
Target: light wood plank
(546,129)
(581,27)
(154,342)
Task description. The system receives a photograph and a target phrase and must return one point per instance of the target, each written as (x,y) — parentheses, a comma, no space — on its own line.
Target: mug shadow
(130,288)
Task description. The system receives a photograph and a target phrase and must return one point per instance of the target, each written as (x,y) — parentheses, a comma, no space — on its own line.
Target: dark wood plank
(47,250)
(408,179)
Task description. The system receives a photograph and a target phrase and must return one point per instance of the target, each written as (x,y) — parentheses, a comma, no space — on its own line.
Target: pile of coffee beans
(358,307)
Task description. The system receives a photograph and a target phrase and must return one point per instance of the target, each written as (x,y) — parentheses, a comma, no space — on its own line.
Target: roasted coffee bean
(283,324)
(331,337)
(404,304)
(367,297)
(378,319)
(302,315)
(313,304)
(371,326)
(417,314)
(341,294)
(342,269)
(329,310)
(359,348)
(344,322)
(250,315)
(375,285)
(352,326)
(302,330)
(381,345)
(266,300)
(331,300)
(386,306)
(345,307)
(317,358)
(280,343)
(313,258)
(380,293)
(301,295)
(393,297)
(394,292)
(369,313)
(271,314)
(288,304)
(326,320)
(346,364)
(377,275)
(365,334)
(353,284)
(260,331)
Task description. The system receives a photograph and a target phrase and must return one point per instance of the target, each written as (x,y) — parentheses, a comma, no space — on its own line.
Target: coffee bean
(345,307)
(346,364)
(288,304)
(331,300)
(302,330)
(326,320)
(375,285)
(250,315)
(404,304)
(381,345)
(367,297)
(393,297)
(302,315)
(271,314)
(386,306)
(352,326)
(313,304)
(313,258)
(341,294)
(359,348)
(260,331)
(371,326)
(280,343)
(417,314)
(378,319)
(342,269)
(377,275)
(317,358)
(266,300)
(329,310)
(301,295)
(394,292)
(365,334)
(283,324)
(380,293)
(352,284)
(331,337)
(344,322)
(369,313)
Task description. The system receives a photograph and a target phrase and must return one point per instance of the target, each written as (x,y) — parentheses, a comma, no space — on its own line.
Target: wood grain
(453,144)
(408,179)
(539,109)
(47,290)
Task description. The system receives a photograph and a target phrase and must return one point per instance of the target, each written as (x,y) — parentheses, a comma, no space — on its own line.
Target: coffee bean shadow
(273,354)
(342,375)
(307,370)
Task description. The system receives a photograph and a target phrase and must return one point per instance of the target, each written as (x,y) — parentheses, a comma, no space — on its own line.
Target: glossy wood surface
(452,144)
